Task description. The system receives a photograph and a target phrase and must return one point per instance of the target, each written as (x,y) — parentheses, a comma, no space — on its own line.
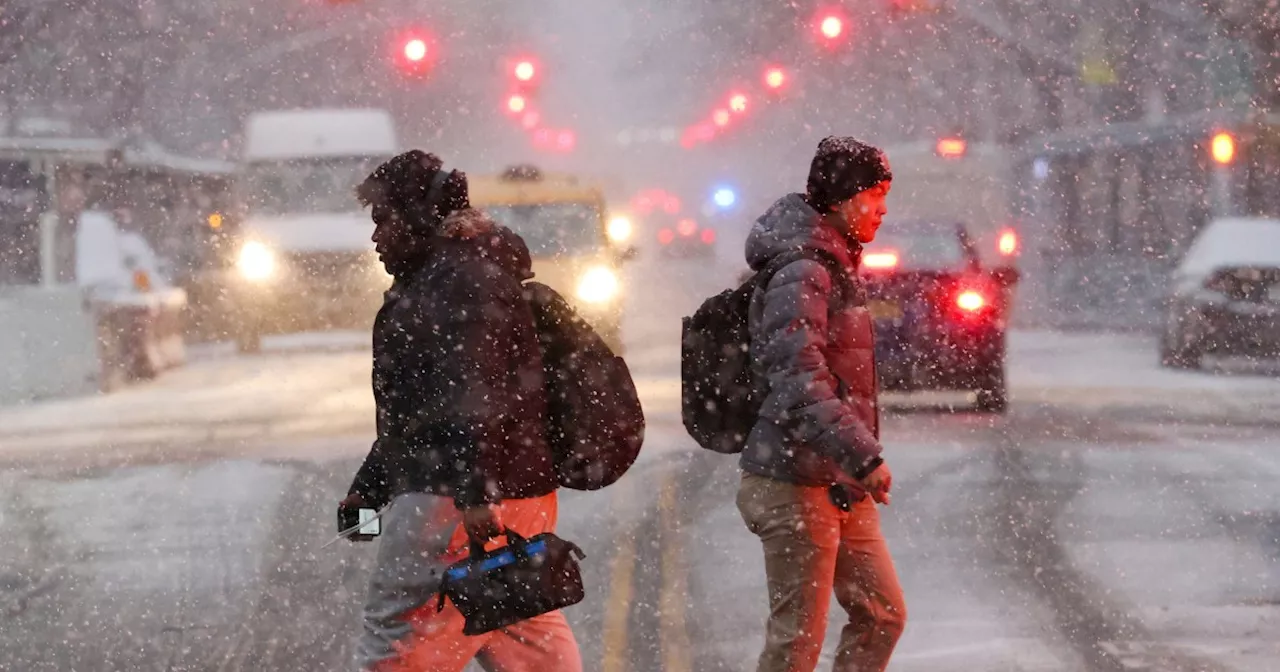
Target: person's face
(862,215)
(393,240)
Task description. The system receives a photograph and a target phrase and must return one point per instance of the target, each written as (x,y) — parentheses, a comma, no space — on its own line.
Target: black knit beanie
(842,168)
(416,186)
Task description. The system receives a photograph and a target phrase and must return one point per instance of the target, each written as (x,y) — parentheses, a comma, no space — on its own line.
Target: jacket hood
(791,224)
(470,233)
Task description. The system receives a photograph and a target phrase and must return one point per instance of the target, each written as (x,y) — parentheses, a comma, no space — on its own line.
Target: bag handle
(515,542)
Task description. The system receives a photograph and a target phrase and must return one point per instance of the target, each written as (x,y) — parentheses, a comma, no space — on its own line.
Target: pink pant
(404,632)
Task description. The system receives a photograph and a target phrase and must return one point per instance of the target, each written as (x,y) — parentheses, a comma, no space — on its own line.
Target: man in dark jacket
(461,452)
(812,466)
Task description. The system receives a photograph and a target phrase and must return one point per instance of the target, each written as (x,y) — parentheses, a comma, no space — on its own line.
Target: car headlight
(598,285)
(256,261)
(620,229)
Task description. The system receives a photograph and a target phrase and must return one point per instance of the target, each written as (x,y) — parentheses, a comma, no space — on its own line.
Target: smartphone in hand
(367,519)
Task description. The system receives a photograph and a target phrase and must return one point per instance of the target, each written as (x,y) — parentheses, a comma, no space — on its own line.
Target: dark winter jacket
(812,338)
(457,375)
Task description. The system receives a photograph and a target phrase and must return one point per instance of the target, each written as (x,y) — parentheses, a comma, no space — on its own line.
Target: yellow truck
(577,248)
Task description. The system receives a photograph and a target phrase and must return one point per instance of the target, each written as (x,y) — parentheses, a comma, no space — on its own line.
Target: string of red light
(526,75)
(831,28)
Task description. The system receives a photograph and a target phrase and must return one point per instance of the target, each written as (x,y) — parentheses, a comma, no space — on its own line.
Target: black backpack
(595,423)
(720,395)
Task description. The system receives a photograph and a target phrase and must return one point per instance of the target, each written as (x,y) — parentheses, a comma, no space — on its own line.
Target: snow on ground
(1191,539)
(150,548)
(311,383)
(961,613)
(129,524)
(319,383)
(211,389)
(1101,370)
(223,398)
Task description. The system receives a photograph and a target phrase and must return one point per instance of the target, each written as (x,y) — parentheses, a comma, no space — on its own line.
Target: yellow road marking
(674,636)
(621,588)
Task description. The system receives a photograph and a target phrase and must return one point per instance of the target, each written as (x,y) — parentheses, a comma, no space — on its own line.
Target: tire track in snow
(1103,631)
(306,612)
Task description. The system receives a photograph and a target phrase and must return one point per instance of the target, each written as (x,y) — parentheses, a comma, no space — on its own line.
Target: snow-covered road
(1121,517)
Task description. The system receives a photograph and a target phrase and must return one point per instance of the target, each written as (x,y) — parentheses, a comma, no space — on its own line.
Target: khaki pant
(402,630)
(812,549)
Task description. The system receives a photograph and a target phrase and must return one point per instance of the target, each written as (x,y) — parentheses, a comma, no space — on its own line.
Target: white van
(303,258)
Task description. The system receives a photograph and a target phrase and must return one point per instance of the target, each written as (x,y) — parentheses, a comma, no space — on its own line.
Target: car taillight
(665,236)
(687,227)
(971,301)
(708,236)
(880,260)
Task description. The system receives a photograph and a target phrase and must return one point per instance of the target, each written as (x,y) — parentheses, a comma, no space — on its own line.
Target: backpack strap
(841,281)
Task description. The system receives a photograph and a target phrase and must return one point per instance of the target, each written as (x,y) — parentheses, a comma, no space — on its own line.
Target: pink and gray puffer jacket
(813,340)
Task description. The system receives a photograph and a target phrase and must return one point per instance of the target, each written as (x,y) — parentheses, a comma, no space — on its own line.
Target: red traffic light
(525,70)
(831,26)
(775,78)
(517,104)
(738,103)
(720,118)
(415,50)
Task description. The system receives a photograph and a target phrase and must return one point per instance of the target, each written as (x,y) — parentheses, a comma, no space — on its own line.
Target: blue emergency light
(725,197)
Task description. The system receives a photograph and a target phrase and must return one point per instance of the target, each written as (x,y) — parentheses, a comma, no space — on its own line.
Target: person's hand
(352,501)
(878,483)
(482,523)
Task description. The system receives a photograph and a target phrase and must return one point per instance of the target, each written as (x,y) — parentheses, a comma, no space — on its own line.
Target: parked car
(1224,295)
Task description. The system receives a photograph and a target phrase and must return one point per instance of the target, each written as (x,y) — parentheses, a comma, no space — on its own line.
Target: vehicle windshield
(305,186)
(551,229)
(934,250)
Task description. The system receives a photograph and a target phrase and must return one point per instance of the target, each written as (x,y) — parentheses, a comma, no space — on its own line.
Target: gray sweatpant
(415,534)
(399,635)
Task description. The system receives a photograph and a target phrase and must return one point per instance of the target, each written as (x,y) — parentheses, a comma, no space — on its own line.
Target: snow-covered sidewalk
(1100,371)
(318,384)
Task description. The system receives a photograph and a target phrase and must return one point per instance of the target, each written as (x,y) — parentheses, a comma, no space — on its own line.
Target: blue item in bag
(525,578)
